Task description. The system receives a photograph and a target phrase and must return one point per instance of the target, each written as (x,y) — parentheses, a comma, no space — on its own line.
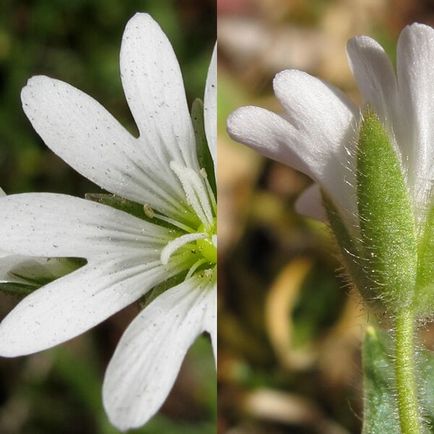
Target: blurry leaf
(280,302)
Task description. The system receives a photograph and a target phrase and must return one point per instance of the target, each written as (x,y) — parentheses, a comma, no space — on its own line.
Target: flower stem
(404,369)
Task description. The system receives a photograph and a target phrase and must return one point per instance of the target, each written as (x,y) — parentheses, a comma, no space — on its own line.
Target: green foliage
(380,404)
(380,409)
(387,223)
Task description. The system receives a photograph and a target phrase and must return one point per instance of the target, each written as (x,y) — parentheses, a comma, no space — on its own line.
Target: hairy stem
(404,369)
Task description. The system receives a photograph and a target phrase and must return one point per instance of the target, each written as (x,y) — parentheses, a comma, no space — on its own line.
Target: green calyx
(387,223)
(424,298)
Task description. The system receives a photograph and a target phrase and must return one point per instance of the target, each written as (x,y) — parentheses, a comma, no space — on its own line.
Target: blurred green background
(290,328)
(78,41)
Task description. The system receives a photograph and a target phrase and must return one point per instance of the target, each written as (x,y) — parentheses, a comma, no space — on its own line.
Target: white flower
(126,255)
(318,131)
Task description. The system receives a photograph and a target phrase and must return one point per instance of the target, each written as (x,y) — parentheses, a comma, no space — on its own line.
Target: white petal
(149,354)
(155,92)
(375,77)
(2,192)
(210,107)
(316,137)
(310,203)
(269,134)
(73,304)
(50,225)
(326,121)
(416,91)
(86,136)
(210,321)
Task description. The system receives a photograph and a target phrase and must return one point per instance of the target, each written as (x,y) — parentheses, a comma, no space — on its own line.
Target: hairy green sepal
(349,248)
(424,299)
(387,223)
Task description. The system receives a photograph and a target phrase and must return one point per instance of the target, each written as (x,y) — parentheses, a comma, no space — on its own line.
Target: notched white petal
(84,134)
(154,89)
(269,134)
(55,225)
(73,304)
(157,341)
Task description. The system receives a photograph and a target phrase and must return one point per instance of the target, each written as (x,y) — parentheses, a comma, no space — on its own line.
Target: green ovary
(206,246)
(207,249)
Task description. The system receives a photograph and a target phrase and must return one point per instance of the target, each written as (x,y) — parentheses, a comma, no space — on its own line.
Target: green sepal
(424,299)
(387,223)
(17,289)
(118,202)
(380,413)
(203,154)
(152,294)
(349,248)
(34,273)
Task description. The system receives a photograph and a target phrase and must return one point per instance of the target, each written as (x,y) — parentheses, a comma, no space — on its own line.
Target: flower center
(193,248)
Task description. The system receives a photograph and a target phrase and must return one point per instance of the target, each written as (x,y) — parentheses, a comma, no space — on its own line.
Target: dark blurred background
(78,41)
(290,328)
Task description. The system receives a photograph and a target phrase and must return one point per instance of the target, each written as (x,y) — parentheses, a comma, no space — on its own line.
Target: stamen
(177,243)
(149,212)
(209,190)
(194,267)
(174,222)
